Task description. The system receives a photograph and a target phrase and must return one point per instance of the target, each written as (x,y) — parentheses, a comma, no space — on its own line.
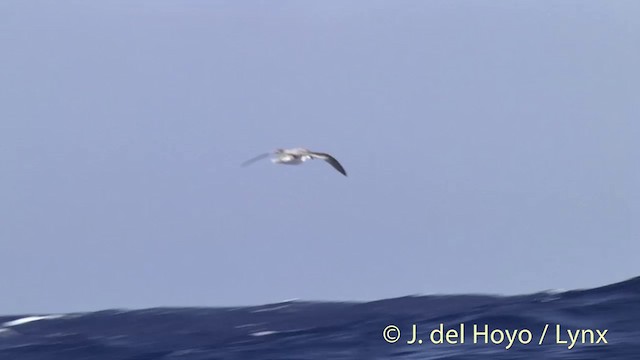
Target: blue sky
(491,147)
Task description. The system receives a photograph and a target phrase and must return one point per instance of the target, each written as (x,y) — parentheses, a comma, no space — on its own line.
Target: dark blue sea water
(319,330)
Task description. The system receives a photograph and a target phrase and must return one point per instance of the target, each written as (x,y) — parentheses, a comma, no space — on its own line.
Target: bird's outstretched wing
(257,158)
(331,160)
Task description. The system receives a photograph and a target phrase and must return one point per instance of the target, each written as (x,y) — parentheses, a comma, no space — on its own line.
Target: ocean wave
(343,330)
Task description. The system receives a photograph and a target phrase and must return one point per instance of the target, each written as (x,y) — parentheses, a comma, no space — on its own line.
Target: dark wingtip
(254,159)
(336,165)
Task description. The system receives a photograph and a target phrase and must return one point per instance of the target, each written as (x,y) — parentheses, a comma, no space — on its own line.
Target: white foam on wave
(552,295)
(555,291)
(249,325)
(275,308)
(29,319)
(264,333)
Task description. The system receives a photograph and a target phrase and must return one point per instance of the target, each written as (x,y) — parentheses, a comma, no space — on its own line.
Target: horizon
(316,301)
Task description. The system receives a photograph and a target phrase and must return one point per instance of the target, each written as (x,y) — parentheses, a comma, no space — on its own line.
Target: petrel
(297,156)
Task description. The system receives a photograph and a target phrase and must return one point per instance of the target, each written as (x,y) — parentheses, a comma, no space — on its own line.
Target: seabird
(297,156)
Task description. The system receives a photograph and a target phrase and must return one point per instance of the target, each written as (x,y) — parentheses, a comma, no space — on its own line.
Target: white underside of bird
(297,156)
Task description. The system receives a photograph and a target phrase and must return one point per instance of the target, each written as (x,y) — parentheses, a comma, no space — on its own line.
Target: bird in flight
(297,156)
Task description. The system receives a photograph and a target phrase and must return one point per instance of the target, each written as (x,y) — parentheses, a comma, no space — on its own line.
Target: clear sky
(492,146)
